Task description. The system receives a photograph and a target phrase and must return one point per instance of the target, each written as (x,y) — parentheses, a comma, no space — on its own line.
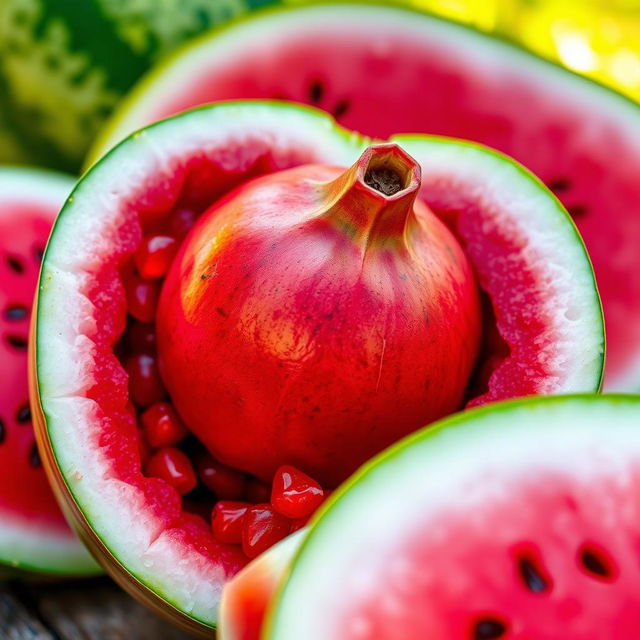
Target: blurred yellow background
(598,38)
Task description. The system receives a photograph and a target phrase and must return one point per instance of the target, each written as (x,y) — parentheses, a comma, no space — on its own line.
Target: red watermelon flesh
(33,533)
(382,70)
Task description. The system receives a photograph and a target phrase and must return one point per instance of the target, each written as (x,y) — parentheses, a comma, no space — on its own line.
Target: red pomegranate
(314,316)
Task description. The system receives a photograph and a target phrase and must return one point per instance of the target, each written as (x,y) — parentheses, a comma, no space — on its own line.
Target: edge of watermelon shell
(458,436)
(118,170)
(26,549)
(116,129)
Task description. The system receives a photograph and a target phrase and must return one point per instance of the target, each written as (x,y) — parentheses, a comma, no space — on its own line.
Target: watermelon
(34,536)
(382,70)
(65,65)
(518,520)
(141,519)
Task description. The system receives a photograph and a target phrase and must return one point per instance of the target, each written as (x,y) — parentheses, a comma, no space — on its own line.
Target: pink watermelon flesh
(382,71)
(185,164)
(29,513)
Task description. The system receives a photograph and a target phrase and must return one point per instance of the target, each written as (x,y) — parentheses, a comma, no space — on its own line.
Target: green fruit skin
(64,65)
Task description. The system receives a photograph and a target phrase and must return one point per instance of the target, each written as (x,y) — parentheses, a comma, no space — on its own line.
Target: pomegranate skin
(311,320)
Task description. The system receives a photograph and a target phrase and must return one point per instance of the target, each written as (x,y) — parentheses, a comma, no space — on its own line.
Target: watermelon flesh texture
(186,164)
(472,558)
(382,71)
(33,533)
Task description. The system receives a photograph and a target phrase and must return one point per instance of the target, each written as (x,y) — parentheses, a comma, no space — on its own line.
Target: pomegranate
(315,316)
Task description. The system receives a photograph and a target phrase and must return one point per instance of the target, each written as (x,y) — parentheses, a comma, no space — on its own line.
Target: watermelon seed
(23,414)
(532,576)
(3,431)
(18,342)
(596,563)
(39,252)
(316,91)
(341,108)
(489,629)
(34,457)
(559,185)
(578,210)
(15,264)
(16,312)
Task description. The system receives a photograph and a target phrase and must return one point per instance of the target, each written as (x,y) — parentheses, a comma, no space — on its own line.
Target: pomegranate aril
(145,384)
(155,255)
(141,337)
(143,448)
(181,221)
(162,426)
(225,482)
(257,491)
(174,467)
(262,528)
(294,494)
(142,297)
(227,519)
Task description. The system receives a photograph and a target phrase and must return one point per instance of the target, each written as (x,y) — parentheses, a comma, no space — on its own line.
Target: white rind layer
(469,461)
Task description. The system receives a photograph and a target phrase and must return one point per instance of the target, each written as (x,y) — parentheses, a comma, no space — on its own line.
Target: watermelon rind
(65,65)
(466,461)
(106,511)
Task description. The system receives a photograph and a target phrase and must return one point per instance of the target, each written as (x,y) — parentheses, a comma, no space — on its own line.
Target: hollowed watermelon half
(531,266)
(518,520)
(382,70)
(34,535)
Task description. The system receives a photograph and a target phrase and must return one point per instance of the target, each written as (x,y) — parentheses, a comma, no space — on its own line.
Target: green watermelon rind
(91,52)
(457,442)
(26,548)
(207,43)
(108,179)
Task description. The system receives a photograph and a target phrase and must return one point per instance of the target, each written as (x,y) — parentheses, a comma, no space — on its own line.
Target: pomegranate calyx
(373,200)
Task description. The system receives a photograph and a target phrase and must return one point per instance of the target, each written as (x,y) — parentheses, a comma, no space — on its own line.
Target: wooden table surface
(82,610)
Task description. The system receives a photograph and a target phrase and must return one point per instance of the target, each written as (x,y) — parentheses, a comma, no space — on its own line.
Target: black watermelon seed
(532,576)
(341,108)
(489,629)
(316,92)
(16,312)
(3,431)
(18,342)
(39,253)
(23,414)
(596,563)
(15,264)
(560,184)
(34,457)
(578,211)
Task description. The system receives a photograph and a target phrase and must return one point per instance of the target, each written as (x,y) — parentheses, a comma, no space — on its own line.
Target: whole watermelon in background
(34,536)
(64,64)
(519,521)
(381,70)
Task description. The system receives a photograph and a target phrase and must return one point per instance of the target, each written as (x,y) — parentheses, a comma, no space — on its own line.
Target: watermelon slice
(531,264)
(34,535)
(518,520)
(382,70)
